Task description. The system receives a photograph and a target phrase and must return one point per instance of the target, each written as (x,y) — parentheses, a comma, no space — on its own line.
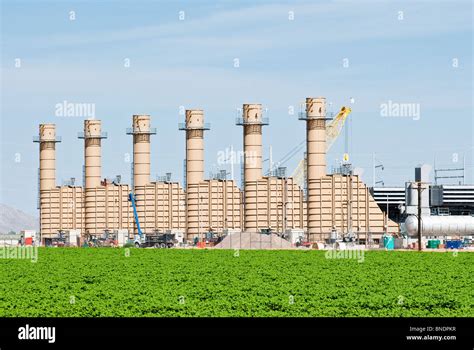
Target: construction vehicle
(212,238)
(157,240)
(107,239)
(58,241)
(140,238)
(302,242)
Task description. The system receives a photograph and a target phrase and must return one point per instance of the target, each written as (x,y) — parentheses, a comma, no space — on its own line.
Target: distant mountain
(12,219)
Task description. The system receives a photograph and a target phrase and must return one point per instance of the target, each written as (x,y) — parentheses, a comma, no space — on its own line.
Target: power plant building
(334,202)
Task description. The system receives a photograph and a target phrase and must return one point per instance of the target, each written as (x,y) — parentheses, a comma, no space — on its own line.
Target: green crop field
(160,282)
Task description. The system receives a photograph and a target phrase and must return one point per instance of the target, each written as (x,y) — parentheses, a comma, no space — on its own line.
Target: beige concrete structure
(92,152)
(316,155)
(194,127)
(47,159)
(47,169)
(92,174)
(162,207)
(141,131)
(316,137)
(343,203)
(252,122)
(213,205)
(64,208)
(335,202)
(273,202)
(107,208)
(61,208)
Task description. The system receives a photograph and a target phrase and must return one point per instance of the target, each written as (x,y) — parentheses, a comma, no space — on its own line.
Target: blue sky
(190,63)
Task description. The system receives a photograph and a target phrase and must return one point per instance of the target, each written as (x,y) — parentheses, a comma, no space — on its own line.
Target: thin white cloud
(268,25)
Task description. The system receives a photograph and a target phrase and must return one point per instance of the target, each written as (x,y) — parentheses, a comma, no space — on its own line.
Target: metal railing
(132,131)
(38,139)
(243,121)
(302,116)
(205,126)
(81,135)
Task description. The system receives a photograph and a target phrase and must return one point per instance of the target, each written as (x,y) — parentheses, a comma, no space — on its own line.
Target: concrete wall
(107,208)
(274,202)
(160,206)
(61,209)
(213,204)
(330,208)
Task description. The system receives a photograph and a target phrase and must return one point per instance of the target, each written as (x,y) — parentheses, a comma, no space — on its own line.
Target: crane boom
(333,130)
(131,198)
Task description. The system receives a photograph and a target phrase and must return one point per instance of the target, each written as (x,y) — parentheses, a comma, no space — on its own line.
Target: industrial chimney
(47,156)
(194,126)
(141,132)
(316,155)
(92,136)
(252,121)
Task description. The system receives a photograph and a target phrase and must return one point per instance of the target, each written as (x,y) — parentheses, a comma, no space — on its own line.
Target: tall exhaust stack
(92,136)
(194,126)
(47,156)
(47,140)
(141,131)
(316,155)
(252,121)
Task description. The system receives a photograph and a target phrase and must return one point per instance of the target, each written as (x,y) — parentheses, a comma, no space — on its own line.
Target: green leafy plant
(194,283)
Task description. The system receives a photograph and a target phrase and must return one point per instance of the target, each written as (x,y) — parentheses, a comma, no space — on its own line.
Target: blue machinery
(131,198)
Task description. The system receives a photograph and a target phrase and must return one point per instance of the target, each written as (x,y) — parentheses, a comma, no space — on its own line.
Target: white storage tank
(441,225)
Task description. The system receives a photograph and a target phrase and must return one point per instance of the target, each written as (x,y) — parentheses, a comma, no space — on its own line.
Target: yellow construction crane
(333,130)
